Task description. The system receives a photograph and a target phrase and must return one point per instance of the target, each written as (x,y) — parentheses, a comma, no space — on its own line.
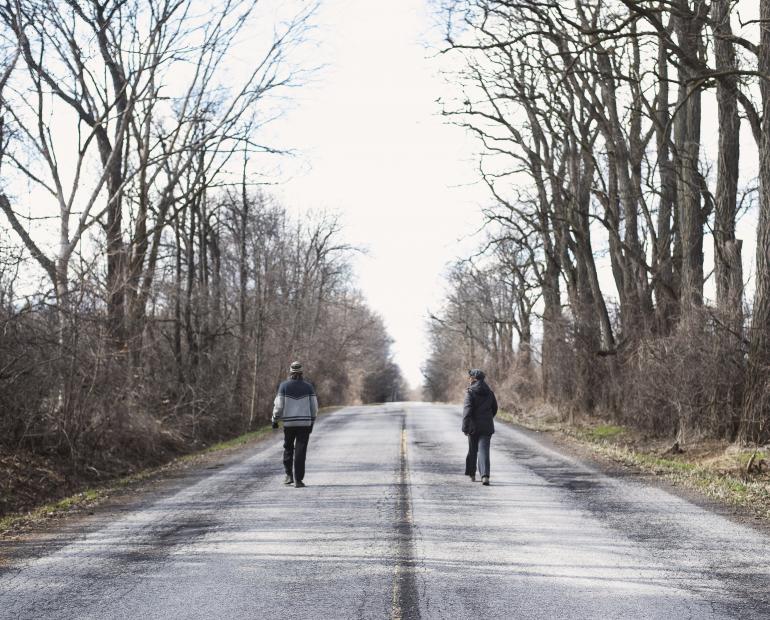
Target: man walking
(296,404)
(479,410)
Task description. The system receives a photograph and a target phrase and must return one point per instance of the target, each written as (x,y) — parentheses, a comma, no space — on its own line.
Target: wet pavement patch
(554,471)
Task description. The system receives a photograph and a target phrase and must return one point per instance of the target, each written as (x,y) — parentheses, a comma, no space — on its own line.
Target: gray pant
(478,453)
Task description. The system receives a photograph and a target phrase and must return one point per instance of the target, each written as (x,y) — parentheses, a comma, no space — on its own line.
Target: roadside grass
(229,444)
(718,470)
(605,431)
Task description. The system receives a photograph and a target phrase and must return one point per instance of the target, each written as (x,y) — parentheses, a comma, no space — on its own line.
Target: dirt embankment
(27,480)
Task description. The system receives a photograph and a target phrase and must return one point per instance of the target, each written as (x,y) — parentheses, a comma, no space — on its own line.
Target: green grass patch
(604,432)
(236,442)
(84,499)
(507,416)
(663,464)
(751,494)
(745,457)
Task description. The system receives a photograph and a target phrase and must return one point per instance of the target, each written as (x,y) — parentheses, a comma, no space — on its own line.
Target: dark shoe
(288,479)
(472,477)
(485,481)
(299,484)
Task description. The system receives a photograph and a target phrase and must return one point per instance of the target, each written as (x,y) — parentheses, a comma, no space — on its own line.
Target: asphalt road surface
(388,527)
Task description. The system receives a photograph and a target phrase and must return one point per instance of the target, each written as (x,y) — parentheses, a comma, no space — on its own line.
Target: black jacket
(479,410)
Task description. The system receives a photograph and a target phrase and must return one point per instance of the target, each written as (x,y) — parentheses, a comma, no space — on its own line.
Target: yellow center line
(396,612)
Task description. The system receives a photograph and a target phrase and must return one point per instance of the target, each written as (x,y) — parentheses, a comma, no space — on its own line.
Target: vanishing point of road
(388,527)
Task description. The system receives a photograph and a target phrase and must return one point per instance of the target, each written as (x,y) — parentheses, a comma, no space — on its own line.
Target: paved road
(389,528)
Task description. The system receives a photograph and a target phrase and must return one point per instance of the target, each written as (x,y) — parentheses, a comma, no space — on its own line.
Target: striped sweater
(296,403)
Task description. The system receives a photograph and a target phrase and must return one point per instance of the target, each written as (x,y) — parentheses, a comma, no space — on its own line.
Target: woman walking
(479,410)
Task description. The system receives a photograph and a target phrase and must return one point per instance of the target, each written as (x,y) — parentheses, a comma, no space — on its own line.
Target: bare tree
(590,119)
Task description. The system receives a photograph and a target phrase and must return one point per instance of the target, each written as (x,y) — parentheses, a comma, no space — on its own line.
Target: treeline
(592,117)
(151,298)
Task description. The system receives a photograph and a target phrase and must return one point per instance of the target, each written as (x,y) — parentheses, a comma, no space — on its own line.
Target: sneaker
(472,477)
(288,479)
(299,484)
(485,481)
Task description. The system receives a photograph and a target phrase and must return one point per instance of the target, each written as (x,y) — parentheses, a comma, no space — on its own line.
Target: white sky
(374,148)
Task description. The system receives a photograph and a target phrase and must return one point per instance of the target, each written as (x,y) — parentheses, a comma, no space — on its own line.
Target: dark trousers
(294,450)
(478,452)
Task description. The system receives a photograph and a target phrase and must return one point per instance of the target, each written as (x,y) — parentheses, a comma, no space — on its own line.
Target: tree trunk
(177,337)
(241,215)
(666,294)
(756,404)
(552,328)
(688,27)
(727,250)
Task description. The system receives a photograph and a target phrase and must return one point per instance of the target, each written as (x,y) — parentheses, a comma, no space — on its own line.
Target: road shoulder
(44,527)
(723,493)
(120,493)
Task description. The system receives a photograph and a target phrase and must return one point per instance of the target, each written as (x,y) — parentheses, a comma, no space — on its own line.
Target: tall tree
(755,425)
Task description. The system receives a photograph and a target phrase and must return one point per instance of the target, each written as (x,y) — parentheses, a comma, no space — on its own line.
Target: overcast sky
(374,148)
